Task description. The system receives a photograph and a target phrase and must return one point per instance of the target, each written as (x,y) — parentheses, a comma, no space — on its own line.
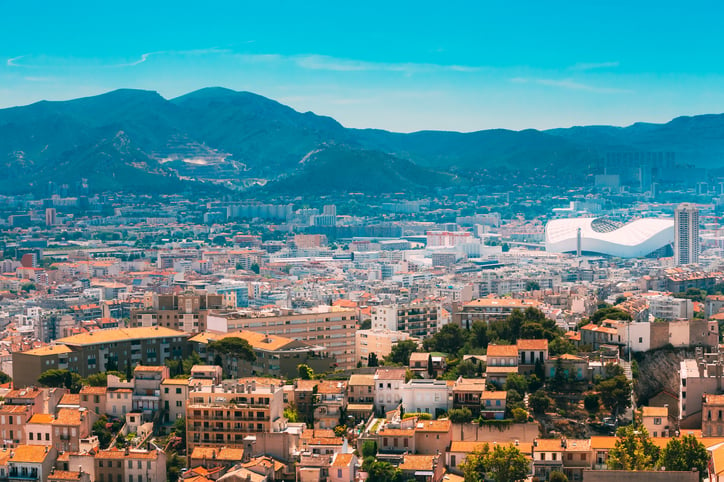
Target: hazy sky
(395,65)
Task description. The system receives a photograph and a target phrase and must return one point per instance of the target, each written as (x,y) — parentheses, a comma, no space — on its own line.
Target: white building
(670,308)
(427,396)
(686,234)
(388,388)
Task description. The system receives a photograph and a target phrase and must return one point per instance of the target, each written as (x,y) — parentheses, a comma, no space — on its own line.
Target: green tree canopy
(401,352)
(615,393)
(539,402)
(505,463)
(633,450)
(235,347)
(449,339)
(460,415)
(685,453)
(557,476)
(305,372)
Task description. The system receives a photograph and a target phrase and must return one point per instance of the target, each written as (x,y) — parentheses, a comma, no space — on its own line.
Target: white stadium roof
(635,239)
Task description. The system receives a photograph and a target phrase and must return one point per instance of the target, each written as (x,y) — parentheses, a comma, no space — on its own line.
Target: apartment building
(377,341)
(185,312)
(418,319)
(328,326)
(222,415)
(488,309)
(100,351)
(147,389)
(30,462)
(115,465)
(276,356)
(330,404)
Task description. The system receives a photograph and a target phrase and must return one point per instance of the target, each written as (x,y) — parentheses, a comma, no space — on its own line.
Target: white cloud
(12,62)
(324,62)
(570,85)
(594,65)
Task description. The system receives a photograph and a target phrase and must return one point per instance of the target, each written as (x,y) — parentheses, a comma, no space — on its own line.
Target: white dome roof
(604,236)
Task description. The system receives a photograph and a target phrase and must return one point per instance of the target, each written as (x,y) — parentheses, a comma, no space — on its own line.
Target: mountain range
(138,141)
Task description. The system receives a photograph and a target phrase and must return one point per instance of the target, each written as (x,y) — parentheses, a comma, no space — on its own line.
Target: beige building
(377,341)
(174,393)
(222,415)
(712,419)
(185,312)
(328,326)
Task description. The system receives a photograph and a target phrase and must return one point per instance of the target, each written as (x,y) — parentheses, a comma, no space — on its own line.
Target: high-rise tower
(686,234)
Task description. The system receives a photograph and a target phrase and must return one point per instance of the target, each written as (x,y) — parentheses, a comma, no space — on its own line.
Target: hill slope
(132,139)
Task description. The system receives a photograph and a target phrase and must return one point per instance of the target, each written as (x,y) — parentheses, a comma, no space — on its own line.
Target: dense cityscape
(330,241)
(165,337)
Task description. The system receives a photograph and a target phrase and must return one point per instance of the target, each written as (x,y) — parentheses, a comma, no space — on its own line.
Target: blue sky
(396,65)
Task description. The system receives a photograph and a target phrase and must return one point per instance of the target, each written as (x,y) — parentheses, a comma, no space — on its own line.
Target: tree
(615,393)
(235,347)
(560,346)
(591,403)
(609,313)
(633,450)
(539,402)
(400,353)
(369,449)
(430,368)
(449,339)
(305,372)
(479,334)
(5,378)
(532,286)
(378,471)
(685,453)
(188,363)
(61,379)
(505,463)
(519,415)
(366,324)
(100,429)
(179,428)
(255,268)
(557,476)
(372,360)
(460,415)
(516,382)
(291,413)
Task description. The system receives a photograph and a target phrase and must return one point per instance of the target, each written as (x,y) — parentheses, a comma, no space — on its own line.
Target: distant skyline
(402,66)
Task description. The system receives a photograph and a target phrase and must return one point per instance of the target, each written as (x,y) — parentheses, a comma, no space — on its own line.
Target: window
(553,456)
(657,420)
(570,456)
(583,457)
(339,473)
(543,456)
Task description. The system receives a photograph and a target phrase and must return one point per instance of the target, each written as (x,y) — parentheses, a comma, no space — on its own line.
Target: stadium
(648,237)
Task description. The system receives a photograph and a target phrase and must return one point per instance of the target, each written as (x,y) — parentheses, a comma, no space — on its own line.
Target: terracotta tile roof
(119,334)
(31,454)
(49,350)
(64,475)
(532,344)
(68,416)
(713,399)
(494,395)
(548,445)
(363,380)
(433,426)
(93,390)
(41,418)
(502,350)
(390,373)
(121,454)
(70,399)
(331,386)
(214,453)
(342,460)
(656,411)
(418,462)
